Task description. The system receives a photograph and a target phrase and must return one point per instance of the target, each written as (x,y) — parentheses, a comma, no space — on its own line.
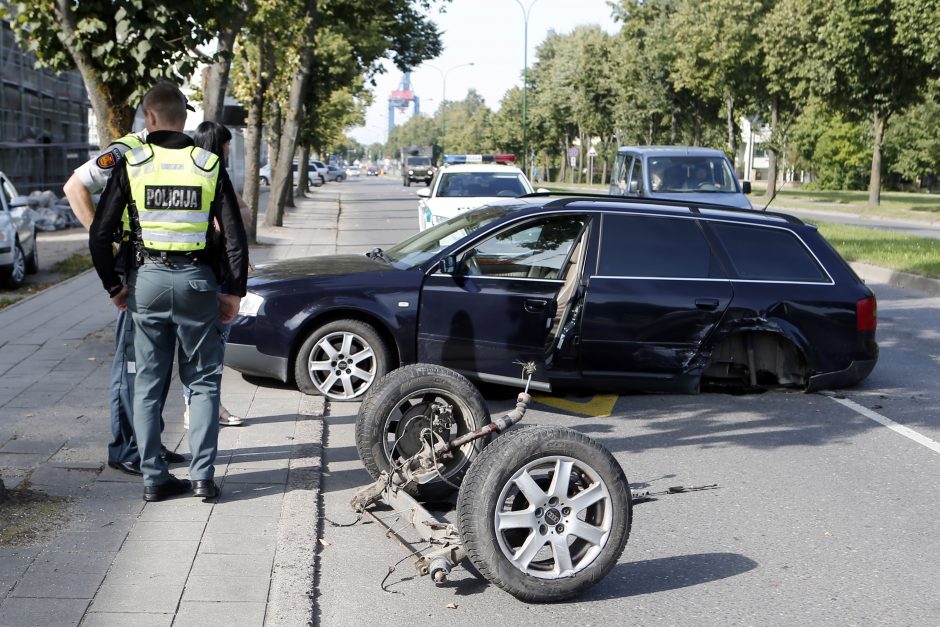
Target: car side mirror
(424,192)
(448,264)
(543,190)
(634,187)
(746,187)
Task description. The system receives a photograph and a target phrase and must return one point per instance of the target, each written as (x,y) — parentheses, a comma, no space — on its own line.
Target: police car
(467,182)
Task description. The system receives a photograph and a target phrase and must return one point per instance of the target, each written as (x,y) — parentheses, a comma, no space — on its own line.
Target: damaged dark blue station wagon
(599,292)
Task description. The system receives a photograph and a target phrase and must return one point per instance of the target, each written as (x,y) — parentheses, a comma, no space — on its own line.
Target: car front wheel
(32,262)
(341,360)
(16,275)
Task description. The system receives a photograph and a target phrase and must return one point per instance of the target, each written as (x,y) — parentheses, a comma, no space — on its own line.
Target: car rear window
(649,246)
(471,184)
(768,254)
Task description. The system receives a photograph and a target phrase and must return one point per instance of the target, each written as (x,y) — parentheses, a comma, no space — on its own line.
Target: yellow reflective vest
(171,192)
(131,141)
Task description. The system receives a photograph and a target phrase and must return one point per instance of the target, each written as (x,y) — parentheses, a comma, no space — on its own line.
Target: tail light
(866,314)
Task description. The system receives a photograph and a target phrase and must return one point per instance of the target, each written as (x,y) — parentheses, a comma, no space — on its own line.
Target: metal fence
(32,167)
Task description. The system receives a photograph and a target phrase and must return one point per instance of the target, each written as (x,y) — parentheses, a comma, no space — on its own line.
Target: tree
(912,143)
(719,55)
(120,47)
(868,64)
(227,20)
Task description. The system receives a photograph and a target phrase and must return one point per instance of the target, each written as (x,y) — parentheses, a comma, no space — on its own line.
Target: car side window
(8,194)
(768,254)
(636,176)
(649,246)
(620,172)
(531,250)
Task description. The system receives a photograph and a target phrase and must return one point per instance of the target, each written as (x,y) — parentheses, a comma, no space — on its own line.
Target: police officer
(89,178)
(175,193)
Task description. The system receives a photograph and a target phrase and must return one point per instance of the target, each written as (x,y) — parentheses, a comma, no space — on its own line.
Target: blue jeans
(123,445)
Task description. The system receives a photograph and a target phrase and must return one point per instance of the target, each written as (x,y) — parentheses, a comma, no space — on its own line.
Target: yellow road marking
(596,406)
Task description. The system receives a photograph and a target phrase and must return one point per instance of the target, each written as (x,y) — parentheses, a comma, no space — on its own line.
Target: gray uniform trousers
(173,304)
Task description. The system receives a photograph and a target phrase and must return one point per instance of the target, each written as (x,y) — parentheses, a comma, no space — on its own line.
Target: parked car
(335,173)
(353,171)
(469,181)
(598,292)
(313,174)
(321,170)
(19,251)
(678,173)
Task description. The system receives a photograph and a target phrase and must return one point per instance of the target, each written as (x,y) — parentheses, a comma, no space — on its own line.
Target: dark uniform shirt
(230,254)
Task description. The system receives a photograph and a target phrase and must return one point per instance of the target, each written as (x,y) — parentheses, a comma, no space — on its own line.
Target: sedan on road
(19,252)
(597,292)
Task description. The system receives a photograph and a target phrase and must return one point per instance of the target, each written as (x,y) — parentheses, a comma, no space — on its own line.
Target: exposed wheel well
(756,359)
(326,318)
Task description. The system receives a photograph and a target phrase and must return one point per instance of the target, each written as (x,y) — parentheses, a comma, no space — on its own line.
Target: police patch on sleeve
(108,159)
(172,197)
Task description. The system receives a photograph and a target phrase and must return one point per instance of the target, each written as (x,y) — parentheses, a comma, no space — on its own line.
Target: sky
(489,34)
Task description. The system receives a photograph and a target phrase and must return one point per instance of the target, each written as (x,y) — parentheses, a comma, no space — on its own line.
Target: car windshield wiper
(378,253)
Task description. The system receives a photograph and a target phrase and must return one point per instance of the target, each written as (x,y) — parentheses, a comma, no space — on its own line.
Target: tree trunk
(696,129)
(3,491)
(874,184)
(771,149)
(282,178)
(253,135)
(732,136)
(114,115)
(217,73)
(303,171)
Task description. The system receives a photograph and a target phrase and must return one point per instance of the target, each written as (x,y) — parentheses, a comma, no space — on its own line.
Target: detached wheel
(341,360)
(544,513)
(16,275)
(420,400)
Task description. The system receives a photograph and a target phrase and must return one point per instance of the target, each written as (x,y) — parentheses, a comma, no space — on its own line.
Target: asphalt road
(825,513)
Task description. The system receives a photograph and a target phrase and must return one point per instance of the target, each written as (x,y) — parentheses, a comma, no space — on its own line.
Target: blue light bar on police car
(462,159)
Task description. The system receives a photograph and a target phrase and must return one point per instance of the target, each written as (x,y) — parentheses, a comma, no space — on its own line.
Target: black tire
(395,411)
(32,262)
(490,491)
(325,346)
(16,274)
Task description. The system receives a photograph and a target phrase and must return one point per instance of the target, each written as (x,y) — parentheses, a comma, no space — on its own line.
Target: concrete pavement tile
(216,564)
(248,509)
(149,597)
(61,481)
(274,476)
(163,531)
(166,562)
(76,562)
(103,540)
(242,526)
(176,510)
(21,460)
(22,612)
(122,619)
(211,614)
(55,585)
(28,445)
(226,588)
(238,544)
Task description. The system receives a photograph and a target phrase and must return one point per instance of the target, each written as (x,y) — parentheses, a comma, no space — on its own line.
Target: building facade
(43,120)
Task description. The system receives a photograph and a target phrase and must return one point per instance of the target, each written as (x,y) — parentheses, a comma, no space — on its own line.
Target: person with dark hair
(173,192)
(90,177)
(217,139)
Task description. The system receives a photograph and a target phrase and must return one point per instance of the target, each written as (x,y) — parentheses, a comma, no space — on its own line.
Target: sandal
(229,420)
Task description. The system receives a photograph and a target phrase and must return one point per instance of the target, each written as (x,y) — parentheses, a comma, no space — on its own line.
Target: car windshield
(690,174)
(422,246)
(487,184)
(413,161)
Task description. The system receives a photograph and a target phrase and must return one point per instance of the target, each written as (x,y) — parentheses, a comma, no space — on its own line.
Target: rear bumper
(856,371)
(249,360)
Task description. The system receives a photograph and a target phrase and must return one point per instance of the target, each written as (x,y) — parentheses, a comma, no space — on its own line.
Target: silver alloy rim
(18,272)
(342,365)
(427,396)
(557,530)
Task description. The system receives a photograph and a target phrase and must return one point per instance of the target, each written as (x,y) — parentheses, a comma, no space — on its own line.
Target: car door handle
(706,304)
(535,305)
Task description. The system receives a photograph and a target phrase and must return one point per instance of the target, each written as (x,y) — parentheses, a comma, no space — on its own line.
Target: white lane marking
(908,433)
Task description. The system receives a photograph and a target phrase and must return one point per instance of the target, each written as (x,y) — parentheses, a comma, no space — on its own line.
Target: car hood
(737,200)
(449,207)
(324,265)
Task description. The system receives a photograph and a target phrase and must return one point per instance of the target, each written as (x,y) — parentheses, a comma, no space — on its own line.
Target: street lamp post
(444,95)
(525,81)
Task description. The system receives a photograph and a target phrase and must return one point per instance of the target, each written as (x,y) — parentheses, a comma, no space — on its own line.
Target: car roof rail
(697,208)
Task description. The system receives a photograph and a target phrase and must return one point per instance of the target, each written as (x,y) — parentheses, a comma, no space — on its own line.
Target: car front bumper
(248,359)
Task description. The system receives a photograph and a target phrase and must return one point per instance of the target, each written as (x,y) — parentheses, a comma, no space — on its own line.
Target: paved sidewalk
(247,559)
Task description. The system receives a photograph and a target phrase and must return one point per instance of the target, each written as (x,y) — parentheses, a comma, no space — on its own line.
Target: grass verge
(897,251)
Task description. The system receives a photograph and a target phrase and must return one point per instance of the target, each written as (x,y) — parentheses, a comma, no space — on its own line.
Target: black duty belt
(171,260)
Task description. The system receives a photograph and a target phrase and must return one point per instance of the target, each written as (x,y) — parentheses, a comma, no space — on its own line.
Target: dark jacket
(228,251)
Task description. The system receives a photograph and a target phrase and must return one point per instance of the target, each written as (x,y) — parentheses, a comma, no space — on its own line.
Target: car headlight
(3,236)
(411,171)
(250,304)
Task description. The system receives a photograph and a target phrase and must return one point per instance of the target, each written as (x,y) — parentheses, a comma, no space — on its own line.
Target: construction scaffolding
(43,120)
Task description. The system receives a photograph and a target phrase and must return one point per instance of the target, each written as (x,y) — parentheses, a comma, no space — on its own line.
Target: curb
(896,278)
